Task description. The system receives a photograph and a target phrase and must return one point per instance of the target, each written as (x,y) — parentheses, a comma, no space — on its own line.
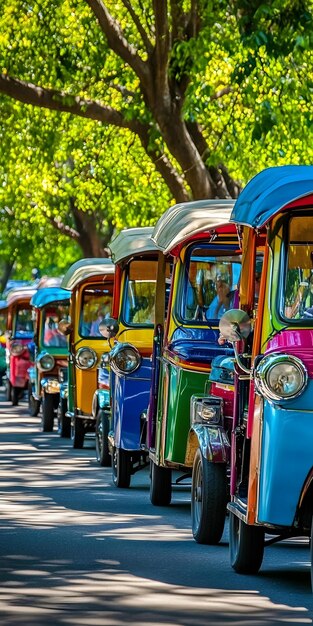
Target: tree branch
(138,24)
(116,40)
(61,227)
(59,101)
(162,45)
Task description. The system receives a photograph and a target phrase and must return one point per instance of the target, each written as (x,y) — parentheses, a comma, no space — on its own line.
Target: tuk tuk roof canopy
(84,269)
(270,191)
(46,295)
(130,242)
(186,219)
(21,293)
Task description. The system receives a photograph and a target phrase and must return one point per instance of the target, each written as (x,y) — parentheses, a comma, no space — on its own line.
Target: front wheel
(208,499)
(47,412)
(64,422)
(33,405)
(246,545)
(160,485)
(78,433)
(121,468)
(102,444)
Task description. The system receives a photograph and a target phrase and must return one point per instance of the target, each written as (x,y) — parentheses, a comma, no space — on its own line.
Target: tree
(112,110)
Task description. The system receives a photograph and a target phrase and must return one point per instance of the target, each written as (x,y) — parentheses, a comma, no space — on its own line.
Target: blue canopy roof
(46,295)
(269,191)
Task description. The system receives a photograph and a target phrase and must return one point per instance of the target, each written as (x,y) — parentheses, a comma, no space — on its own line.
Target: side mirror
(235,325)
(65,326)
(109,328)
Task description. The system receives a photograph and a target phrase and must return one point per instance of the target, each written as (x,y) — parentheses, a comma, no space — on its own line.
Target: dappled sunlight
(76,551)
(52,590)
(161,532)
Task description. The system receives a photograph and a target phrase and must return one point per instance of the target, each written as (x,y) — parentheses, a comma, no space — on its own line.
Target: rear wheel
(160,485)
(15,395)
(121,468)
(64,422)
(246,544)
(78,433)
(102,444)
(47,418)
(208,499)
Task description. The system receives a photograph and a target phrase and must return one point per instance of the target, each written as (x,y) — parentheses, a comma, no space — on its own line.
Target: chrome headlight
(45,362)
(85,358)
(16,348)
(206,410)
(125,358)
(280,377)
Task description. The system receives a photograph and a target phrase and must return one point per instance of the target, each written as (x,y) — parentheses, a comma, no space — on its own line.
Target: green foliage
(242,72)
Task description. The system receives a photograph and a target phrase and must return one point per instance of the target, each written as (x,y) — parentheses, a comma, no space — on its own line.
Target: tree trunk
(6,273)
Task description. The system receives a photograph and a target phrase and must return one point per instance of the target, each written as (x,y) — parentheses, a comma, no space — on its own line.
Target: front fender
(101,400)
(213,442)
(32,374)
(50,385)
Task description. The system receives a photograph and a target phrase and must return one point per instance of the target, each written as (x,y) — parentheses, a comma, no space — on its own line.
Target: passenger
(303,301)
(52,335)
(103,313)
(144,311)
(223,299)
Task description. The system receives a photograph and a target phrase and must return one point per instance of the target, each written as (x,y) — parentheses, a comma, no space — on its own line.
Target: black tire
(160,485)
(246,545)
(47,418)
(33,405)
(15,395)
(102,445)
(64,422)
(78,433)
(8,390)
(121,468)
(208,499)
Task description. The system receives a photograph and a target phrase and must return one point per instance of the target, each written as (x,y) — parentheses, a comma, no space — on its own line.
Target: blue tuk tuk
(121,419)
(272,436)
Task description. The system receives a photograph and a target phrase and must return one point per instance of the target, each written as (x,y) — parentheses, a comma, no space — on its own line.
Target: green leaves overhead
(111,111)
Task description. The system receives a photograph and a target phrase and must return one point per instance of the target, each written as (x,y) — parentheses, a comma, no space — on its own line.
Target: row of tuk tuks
(191,350)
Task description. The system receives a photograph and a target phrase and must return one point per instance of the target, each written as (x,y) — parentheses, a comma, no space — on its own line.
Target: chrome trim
(266,364)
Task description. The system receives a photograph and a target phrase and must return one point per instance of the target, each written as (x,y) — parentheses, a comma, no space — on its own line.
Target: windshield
(139,293)
(23,324)
(210,285)
(96,306)
(298,288)
(51,335)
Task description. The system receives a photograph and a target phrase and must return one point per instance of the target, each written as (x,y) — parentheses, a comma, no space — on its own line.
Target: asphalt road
(74,550)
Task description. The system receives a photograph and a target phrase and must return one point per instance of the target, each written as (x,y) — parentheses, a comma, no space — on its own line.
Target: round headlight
(280,377)
(16,348)
(45,362)
(86,358)
(125,359)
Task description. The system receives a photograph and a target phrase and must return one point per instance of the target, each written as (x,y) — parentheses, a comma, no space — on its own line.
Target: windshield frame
(124,317)
(227,253)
